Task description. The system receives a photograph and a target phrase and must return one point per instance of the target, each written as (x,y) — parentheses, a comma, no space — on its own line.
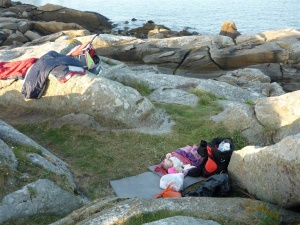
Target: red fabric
(160,170)
(17,69)
(71,74)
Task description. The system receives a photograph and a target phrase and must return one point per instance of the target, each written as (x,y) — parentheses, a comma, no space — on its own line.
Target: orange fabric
(210,165)
(169,193)
(80,49)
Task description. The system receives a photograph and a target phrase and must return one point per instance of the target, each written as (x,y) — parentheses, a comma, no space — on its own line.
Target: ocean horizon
(201,16)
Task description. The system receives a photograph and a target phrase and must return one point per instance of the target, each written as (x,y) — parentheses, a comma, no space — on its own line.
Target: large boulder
(229,29)
(210,56)
(5,3)
(147,30)
(280,115)
(240,117)
(90,94)
(45,159)
(154,81)
(240,56)
(269,173)
(7,157)
(46,28)
(234,210)
(89,20)
(40,197)
(104,99)
(252,79)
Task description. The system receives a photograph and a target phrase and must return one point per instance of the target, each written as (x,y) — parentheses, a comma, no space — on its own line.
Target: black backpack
(217,185)
(214,160)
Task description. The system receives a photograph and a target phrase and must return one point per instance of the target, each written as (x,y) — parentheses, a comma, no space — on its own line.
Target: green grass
(96,158)
(139,86)
(26,172)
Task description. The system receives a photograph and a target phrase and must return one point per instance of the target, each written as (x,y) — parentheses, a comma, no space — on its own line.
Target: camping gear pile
(86,54)
(215,156)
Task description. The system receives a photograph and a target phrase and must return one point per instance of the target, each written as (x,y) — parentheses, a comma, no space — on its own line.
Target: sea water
(201,16)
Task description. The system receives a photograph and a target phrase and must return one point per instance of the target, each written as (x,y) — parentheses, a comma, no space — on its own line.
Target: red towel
(15,70)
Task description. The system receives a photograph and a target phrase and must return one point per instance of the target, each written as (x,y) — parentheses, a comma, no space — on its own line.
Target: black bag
(217,185)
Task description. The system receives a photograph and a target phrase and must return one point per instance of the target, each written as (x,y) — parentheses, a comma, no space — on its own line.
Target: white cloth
(224,146)
(177,163)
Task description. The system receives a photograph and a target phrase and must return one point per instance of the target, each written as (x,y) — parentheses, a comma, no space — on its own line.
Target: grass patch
(7,180)
(139,86)
(205,98)
(249,102)
(96,158)
(26,172)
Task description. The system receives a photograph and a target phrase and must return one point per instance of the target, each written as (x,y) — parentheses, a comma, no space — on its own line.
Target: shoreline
(179,24)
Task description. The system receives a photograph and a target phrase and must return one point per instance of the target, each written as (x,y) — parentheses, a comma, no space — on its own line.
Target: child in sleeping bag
(185,158)
(172,164)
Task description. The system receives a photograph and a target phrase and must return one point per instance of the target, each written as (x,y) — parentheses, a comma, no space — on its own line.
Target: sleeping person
(180,161)
(172,164)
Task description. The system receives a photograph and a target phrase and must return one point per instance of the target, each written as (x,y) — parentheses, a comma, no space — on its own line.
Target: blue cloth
(35,80)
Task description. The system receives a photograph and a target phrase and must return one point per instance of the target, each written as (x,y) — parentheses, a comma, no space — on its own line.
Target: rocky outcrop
(22,23)
(108,95)
(150,26)
(234,210)
(252,79)
(89,20)
(280,114)
(45,159)
(276,53)
(7,157)
(229,29)
(241,117)
(121,105)
(270,173)
(242,70)
(210,56)
(40,197)
(264,122)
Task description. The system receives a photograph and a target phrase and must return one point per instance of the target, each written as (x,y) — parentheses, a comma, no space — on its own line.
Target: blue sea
(201,16)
